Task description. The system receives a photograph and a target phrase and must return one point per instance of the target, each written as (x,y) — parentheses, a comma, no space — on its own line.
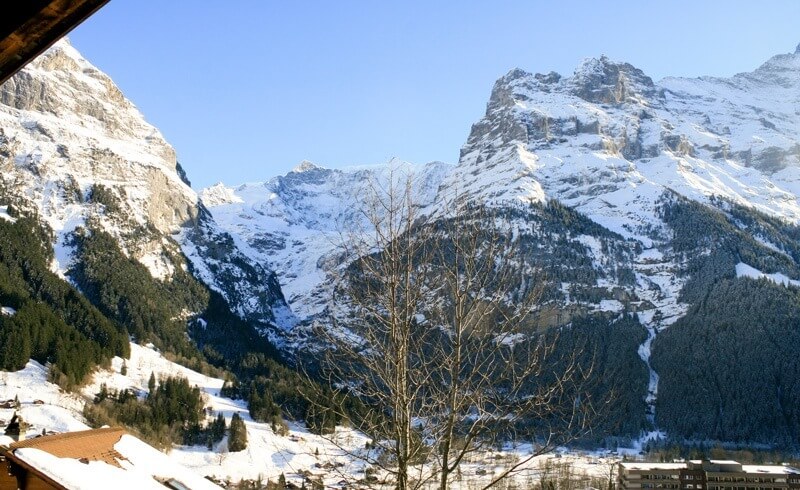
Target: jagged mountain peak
(782,70)
(513,75)
(596,80)
(610,131)
(218,194)
(603,81)
(305,166)
(62,55)
(63,83)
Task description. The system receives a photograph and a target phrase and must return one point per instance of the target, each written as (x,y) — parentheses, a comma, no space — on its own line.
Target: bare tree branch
(434,330)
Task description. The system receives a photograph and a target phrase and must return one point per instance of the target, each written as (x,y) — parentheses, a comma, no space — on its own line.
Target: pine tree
(102,395)
(237,437)
(151,384)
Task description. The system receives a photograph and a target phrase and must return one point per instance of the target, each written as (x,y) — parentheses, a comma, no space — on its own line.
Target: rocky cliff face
(77,152)
(580,137)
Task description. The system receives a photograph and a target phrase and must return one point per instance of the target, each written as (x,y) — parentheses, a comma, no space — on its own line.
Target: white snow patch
(610,305)
(744,270)
(158,265)
(219,194)
(510,339)
(60,411)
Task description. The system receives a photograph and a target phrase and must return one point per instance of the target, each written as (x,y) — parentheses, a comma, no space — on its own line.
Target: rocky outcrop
(601,81)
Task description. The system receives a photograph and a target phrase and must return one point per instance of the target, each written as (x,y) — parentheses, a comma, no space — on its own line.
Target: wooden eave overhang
(18,466)
(31,26)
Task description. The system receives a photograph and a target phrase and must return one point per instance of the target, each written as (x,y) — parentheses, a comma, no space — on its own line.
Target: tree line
(54,323)
(729,369)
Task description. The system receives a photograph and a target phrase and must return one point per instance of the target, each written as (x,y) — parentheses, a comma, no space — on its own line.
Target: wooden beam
(30,27)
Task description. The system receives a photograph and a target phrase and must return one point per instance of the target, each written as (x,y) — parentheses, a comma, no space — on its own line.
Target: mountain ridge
(632,200)
(608,142)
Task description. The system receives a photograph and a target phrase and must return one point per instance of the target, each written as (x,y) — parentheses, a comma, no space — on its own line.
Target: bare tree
(438,338)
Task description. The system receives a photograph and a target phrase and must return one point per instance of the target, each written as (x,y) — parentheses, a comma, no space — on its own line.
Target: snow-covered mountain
(77,152)
(607,141)
(296,222)
(608,136)
(650,208)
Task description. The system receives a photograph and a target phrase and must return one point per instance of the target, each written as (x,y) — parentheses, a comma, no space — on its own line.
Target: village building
(99,458)
(706,475)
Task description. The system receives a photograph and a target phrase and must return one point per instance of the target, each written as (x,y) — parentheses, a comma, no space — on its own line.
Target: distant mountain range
(663,216)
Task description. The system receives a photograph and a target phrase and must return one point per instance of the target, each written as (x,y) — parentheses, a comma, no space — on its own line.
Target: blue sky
(246,89)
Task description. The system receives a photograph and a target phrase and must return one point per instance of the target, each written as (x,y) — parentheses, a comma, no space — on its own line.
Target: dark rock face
(773,159)
(250,288)
(182,174)
(602,81)
(678,144)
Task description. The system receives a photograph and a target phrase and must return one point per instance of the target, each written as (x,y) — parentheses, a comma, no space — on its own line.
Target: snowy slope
(267,455)
(297,455)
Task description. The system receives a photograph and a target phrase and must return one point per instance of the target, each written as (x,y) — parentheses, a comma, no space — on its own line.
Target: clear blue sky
(246,89)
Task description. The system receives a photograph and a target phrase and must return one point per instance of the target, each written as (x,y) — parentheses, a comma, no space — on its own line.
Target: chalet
(99,458)
(15,428)
(706,475)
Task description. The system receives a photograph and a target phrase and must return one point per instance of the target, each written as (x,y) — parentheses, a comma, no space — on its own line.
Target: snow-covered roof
(102,458)
(644,466)
(746,468)
(772,469)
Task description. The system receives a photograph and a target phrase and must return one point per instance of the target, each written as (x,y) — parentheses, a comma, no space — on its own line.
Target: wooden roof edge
(44,440)
(13,459)
(40,31)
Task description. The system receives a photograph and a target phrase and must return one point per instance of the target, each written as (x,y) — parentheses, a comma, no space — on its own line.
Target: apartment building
(706,475)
